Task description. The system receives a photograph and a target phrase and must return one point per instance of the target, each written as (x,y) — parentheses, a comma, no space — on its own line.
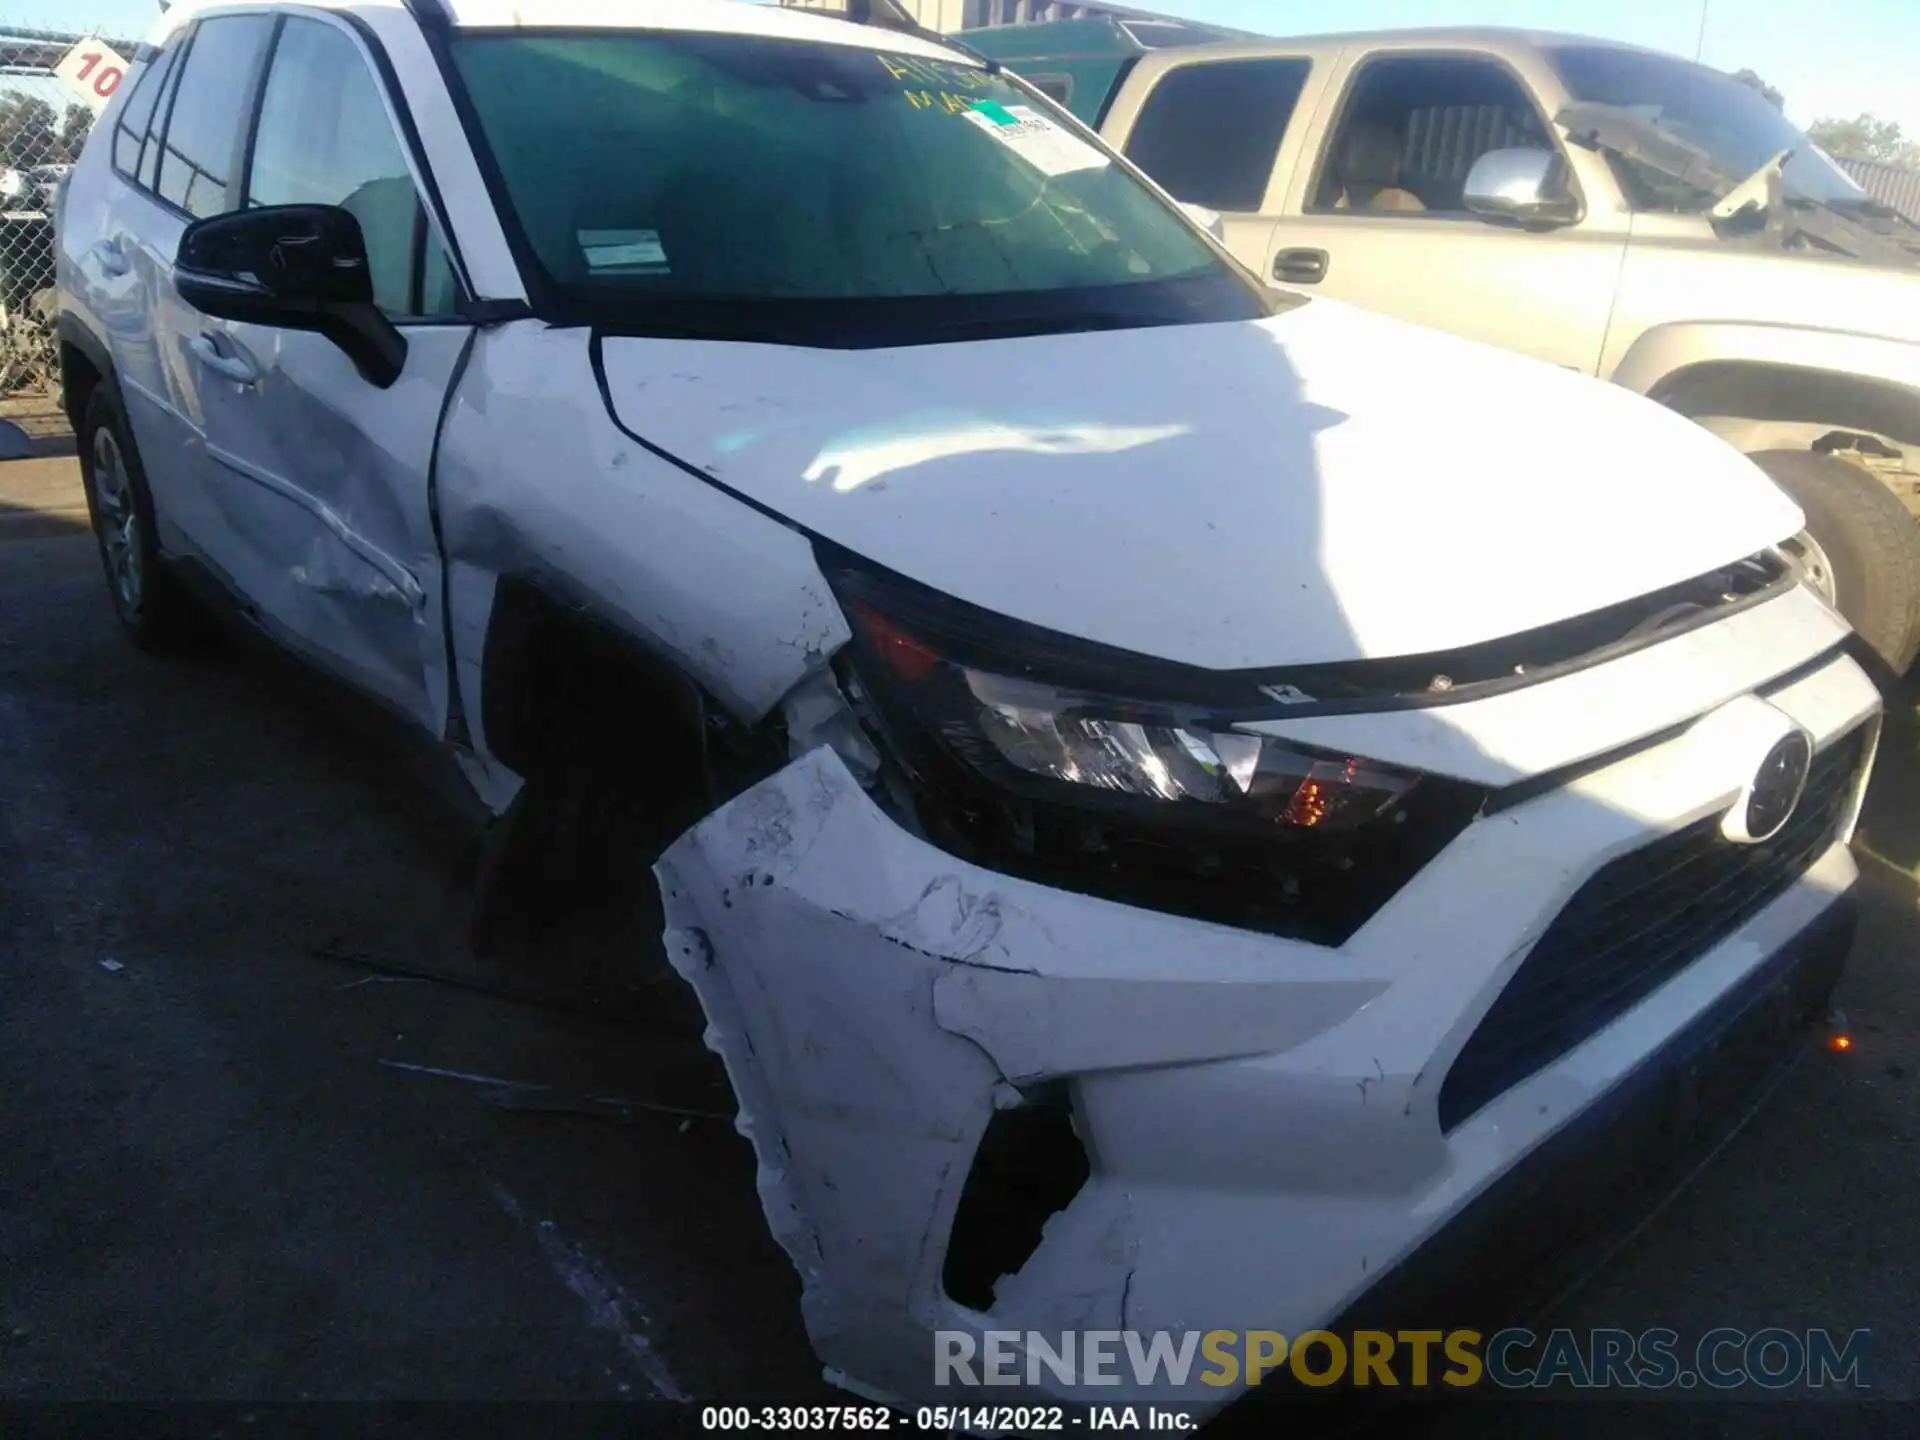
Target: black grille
(1637,923)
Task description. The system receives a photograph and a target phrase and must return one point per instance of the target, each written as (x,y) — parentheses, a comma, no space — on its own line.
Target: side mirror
(1207,220)
(1522,187)
(300,267)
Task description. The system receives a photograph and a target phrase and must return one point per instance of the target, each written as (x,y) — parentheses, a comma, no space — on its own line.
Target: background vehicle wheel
(1865,541)
(153,610)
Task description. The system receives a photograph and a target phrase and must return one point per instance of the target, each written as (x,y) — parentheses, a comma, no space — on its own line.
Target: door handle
(1301,267)
(237,368)
(113,260)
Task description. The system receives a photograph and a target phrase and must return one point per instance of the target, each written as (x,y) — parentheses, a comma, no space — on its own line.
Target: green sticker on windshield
(1034,138)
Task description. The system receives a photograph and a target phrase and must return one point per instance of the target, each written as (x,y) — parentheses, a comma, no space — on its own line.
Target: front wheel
(1860,548)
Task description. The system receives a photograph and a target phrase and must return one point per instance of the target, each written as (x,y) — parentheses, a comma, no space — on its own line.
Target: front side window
(739,185)
(1731,126)
(1210,133)
(324,138)
(1412,128)
(203,135)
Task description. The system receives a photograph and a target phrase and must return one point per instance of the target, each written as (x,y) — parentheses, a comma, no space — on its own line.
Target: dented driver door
(323,483)
(322,479)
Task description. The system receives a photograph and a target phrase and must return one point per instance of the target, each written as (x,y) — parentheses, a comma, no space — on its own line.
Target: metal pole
(1700,44)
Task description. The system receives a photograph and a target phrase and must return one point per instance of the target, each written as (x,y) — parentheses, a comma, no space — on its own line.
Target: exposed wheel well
(1758,406)
(612,744)
(556,680)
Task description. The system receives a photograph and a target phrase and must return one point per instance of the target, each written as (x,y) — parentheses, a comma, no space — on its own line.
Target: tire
(152,608)
(1870,540)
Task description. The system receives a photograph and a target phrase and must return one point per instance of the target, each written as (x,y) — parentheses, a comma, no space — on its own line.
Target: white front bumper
(1260,1114)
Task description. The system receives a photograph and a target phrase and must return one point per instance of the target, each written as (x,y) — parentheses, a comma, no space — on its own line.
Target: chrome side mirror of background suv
(1522,187)
(299,267)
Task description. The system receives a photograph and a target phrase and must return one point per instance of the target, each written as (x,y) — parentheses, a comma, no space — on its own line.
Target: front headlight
(1153,803)
(1066,737)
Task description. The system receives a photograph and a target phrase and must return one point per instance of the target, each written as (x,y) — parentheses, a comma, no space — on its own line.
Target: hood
(1321,486)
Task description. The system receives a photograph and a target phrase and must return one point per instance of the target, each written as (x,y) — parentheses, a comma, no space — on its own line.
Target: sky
(1829,57)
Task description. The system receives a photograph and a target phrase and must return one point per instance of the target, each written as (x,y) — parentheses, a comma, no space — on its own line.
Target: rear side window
(1210,133)
(130,133)
(209,113)
(149,176)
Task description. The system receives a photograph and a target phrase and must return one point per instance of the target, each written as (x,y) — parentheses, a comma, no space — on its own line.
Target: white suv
(1184,827)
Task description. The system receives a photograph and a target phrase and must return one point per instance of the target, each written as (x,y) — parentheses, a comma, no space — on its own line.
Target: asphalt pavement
(249,1151)
(215,1181)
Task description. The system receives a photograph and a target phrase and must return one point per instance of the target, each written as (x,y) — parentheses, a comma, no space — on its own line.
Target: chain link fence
(52,83)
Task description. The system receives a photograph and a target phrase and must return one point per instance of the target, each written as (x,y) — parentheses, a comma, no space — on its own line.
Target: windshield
(1733,123)
(737,186)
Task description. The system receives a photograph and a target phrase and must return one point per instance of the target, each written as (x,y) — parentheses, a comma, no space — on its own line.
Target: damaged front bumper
(1265,1127)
